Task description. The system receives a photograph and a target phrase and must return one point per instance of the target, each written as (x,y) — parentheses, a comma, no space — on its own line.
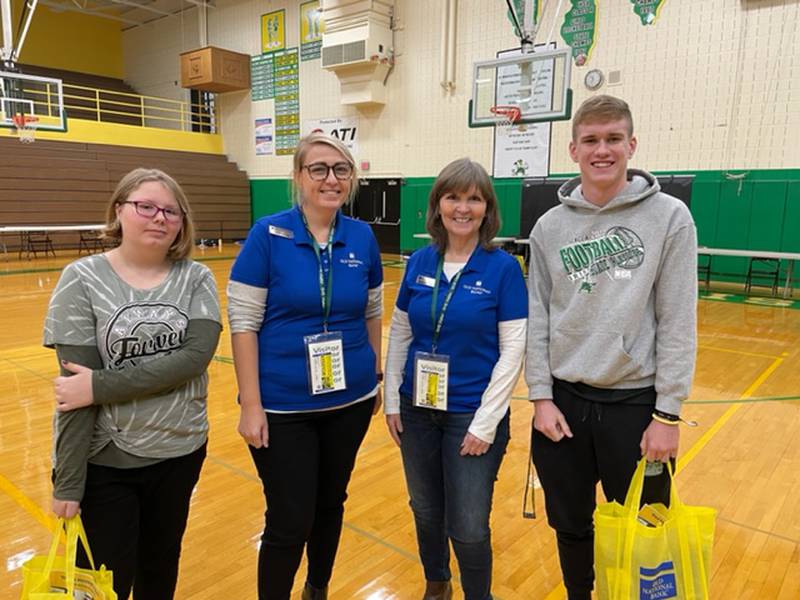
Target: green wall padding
(760,212)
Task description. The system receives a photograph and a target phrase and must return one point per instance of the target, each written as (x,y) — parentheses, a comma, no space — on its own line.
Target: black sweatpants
(604,448)
(135,520)
(305,472)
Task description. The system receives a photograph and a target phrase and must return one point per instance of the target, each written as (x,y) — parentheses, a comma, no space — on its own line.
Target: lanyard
(325,288)
(437,323)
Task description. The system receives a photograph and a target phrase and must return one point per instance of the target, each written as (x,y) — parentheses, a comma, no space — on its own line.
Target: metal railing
(111,106)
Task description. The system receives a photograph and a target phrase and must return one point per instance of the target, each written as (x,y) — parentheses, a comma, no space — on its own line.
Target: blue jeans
(451,495)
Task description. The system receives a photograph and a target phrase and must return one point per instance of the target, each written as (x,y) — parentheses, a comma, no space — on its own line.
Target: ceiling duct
(357,46)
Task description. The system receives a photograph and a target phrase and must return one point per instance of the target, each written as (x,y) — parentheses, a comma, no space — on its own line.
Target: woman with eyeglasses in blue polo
(455,352)
(305,305)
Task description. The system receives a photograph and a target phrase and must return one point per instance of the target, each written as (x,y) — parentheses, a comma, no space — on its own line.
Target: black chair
(91,242)
(763,269)
(704,269)
(34,242)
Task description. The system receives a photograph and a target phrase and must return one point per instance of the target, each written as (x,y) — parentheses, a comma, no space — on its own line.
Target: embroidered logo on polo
(351,261)
(144,329)
(477,289)
(616,253)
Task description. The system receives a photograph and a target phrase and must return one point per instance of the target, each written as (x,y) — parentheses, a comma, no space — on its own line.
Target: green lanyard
(437,323)
(325,289)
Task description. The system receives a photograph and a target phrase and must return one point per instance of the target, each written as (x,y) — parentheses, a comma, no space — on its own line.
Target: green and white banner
(579,30)
(647,10)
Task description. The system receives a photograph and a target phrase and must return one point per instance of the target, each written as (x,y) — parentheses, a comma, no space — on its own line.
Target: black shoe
(312,593)
(438,590)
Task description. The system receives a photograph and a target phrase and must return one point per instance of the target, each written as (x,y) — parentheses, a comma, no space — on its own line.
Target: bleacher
(65,183)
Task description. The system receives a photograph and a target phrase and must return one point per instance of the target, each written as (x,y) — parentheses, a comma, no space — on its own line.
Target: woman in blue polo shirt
(304,305)
(455,352)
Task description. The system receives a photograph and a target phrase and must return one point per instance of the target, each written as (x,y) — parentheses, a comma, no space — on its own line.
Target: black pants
(305,472)
(604,448)
(135,519)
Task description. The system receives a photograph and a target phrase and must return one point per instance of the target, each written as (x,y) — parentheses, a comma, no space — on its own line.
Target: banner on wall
(523,150)
(273,31)
(311,28)
(345,129)
(265,136)
(579,30)
(287,101)
(262,77)
(647,10)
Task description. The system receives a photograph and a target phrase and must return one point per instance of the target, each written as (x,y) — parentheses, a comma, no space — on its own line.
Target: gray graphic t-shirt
(92,306)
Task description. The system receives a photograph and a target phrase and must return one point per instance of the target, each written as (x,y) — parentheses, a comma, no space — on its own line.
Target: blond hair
(602,109)
(184,242)
(304,145)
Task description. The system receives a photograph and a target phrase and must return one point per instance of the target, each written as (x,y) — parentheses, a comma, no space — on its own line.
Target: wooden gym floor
(743,459)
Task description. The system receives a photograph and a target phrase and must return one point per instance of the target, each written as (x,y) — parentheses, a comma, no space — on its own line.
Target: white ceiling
(129,13)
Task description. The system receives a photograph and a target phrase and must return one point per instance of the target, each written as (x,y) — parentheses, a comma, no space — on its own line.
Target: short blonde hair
(304,145)
(602,108)
(460,176)
(184,242)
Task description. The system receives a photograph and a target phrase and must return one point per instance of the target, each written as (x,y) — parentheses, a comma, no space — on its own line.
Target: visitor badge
(430,380)
(325,362)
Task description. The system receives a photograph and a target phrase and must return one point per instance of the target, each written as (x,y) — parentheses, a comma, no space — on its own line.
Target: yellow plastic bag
(634,561)
(54,577)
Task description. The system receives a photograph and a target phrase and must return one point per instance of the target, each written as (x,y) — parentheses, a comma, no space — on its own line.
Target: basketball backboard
(537,83)
(31,95)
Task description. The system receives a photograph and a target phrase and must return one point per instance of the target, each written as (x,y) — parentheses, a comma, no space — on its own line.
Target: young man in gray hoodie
(611,332)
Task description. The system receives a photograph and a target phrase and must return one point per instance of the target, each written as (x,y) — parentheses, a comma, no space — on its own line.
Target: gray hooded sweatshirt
(613,293)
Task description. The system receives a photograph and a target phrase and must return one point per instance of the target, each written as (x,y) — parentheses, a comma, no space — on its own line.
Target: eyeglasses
(146,209)
(319,171)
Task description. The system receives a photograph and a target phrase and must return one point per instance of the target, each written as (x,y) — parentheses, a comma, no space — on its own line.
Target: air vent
(342,54)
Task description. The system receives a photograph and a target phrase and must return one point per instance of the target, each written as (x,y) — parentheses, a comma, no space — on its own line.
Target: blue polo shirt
(491,289)
(278,255)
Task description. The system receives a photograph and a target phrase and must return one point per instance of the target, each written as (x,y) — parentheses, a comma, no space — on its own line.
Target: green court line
(751,300)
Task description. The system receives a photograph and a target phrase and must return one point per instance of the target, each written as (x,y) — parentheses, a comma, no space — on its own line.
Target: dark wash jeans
(305,472)
(451,495)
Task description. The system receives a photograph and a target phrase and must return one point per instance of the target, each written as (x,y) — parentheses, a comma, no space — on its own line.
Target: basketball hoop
(507,116)
(26,127)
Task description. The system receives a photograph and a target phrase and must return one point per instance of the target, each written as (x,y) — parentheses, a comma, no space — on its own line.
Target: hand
(473,446)
(66,508)
(395,426)
(550,421)
(378,401)
(73,391)
(660,442)
(253,426)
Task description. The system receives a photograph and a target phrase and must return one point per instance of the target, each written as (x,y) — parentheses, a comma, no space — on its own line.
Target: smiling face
(602,150)
(330,193)
(154,232)
(462,213)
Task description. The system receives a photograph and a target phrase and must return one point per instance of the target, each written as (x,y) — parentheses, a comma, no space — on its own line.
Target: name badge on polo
(426,281)
(281,232)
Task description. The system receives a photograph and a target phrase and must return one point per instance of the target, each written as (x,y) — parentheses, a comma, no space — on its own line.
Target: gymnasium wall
(72,41)
(714,87)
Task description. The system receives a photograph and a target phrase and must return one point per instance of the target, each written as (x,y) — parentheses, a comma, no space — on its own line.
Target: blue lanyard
(437,323)
(325,288)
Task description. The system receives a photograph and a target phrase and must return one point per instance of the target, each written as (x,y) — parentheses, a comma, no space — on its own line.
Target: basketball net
(507,116)
(26,128)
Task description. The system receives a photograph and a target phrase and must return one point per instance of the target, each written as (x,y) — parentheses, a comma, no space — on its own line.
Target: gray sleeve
(70,319)
(537,364)
(374,302)
(73,431)
(167,372)
(676,318)
(246,306)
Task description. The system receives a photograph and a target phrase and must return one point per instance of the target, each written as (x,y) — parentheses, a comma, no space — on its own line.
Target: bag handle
(74,532)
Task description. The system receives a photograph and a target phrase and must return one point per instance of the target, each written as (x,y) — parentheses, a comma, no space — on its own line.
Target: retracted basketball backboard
(37,101)
(536,83)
